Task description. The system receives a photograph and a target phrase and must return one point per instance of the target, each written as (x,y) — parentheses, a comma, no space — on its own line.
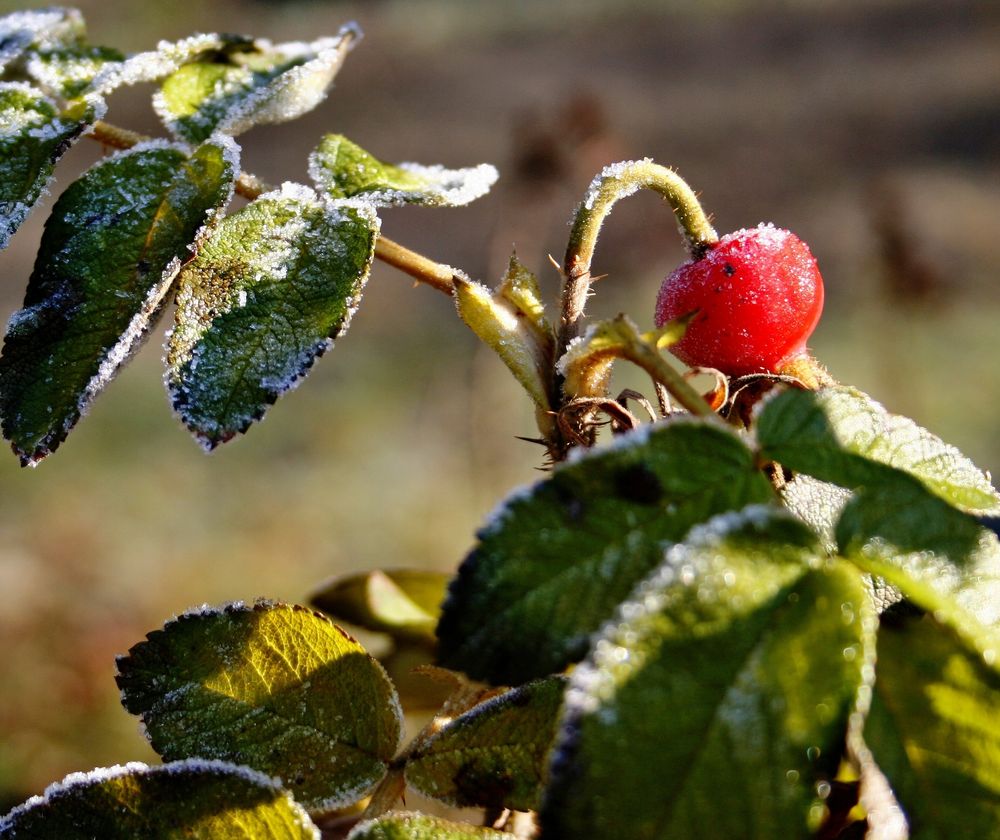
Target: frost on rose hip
(759,295)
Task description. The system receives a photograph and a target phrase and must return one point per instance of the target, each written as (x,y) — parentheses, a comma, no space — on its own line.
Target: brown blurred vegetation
(870,127)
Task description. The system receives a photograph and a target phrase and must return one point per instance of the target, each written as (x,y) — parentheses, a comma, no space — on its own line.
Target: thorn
(539,441)
(556,265)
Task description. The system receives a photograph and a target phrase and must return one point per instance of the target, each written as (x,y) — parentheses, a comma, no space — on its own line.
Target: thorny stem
(619,181)
(419,267)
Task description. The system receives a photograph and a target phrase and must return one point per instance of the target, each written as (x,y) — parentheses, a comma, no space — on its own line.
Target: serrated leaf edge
(138,768)
(347,796)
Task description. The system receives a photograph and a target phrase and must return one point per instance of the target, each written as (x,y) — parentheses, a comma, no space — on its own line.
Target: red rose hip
(759,296)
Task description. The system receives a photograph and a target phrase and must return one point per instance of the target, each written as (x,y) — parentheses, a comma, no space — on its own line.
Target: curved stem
(618,181)
(424,270)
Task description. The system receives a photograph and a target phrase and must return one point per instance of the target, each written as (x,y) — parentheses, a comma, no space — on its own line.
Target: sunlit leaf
(206,800)
(495,754)
(109,254)
(405,603)
(402,825)
(278,688)
(817,503)
(937,556)
(344,170)
(717,699)
(250,83)
(557,558)
(841,435)
(934,728)
(34,134)
(269,290)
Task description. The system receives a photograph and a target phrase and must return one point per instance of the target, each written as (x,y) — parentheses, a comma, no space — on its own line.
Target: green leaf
(717,700)
(817,503)
(250,84)
(841,435)
(556,559)
(405,603)
(68,71)
(495,754)
(34,134)
(939,557)
(43,29)
(110,251)
(344,170)
(402,825)
(210,800)
(934,728)
(167,58)
(278,688)
(269,290)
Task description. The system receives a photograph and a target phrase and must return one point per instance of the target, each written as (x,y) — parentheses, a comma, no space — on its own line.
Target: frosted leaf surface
(404,603)
(68,71)
(403,825)
(204,800)
(343,169)
(934,728)
(718,697)
(495,754)
(554,561)
(34,134)
(109,253)
(250,83)
(42,29)
(835,434)
(151,65)
(278,688)
(269,290)
(937,556)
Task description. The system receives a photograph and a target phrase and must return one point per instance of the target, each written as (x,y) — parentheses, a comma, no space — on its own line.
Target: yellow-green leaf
(405,603)
(250,83)
(934,728)
(402,825)
(278,688)
(343,169)
(187,800)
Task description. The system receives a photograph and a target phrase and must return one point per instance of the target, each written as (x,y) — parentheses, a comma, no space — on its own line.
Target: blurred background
(869,127)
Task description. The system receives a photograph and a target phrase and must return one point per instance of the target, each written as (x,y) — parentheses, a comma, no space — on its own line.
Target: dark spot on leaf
(572,505)
(637,483)
(483,786)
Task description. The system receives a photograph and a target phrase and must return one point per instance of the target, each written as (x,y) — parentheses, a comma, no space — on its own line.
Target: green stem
(619,181)
(420,268)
